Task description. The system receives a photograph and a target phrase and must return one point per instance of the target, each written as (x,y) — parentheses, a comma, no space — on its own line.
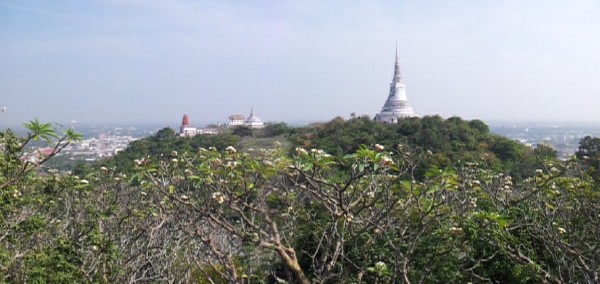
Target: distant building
(236,120)
(251,121)
(396,105)
(186,130)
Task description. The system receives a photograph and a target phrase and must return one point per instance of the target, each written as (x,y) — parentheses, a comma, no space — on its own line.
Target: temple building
(251,121)
(236,120)
(397,105)
(186,130)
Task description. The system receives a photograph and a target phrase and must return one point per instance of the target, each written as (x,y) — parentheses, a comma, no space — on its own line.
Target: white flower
(174,160)
(300,151)
(230,149)
(455,230)
(218,197)
(380,265)
(561,230)
(387,161)
(379,147)
(349,218)
(84,181)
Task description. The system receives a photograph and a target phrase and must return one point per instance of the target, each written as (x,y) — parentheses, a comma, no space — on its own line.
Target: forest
(426,200)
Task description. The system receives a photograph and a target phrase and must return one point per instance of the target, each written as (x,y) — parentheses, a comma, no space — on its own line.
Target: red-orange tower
(185,123)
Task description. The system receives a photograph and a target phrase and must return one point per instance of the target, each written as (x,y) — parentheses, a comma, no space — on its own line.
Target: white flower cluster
(380,265)
(473,202)
(386,161)
(300,151)
(218,197)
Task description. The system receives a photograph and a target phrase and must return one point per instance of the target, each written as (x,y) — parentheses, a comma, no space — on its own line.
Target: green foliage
(165,142)
(242,131)
(346,204)
(275,129)
(449,141)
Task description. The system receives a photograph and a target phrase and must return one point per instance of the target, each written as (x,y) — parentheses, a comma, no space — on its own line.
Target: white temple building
(236,120)
(396,106)
(251,121)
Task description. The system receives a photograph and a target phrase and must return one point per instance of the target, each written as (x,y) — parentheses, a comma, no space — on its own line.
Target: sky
(151,61)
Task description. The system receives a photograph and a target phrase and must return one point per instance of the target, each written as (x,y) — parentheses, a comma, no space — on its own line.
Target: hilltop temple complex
(396,106)
(252,121)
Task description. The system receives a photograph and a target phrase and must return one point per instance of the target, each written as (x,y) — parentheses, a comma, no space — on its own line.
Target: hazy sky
(152,61)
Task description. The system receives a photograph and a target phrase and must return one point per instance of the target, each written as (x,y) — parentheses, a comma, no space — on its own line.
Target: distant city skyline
(131,62)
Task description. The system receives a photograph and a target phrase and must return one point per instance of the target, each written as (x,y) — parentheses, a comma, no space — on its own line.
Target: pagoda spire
(396,106)
(397,75)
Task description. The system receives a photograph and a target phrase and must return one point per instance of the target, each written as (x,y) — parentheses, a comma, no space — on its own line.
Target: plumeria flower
(387,161)
(380,265)
(218,197)
(300,151)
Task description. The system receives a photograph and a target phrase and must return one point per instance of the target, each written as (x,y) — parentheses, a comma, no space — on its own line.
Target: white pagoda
(397,105)
(253,121)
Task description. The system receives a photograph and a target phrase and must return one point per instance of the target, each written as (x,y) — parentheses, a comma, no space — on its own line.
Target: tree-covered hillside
(426,200)
(449,142)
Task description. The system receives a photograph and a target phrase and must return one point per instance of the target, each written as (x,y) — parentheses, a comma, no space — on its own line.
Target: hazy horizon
(131,62)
